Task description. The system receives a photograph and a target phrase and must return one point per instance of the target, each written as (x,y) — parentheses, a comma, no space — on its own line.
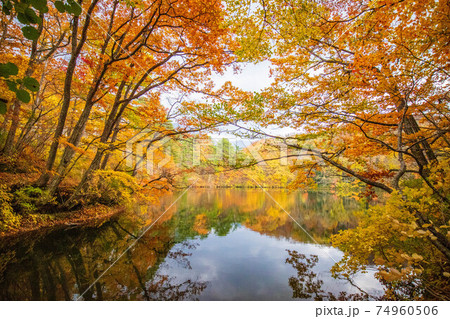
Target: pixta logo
(143,152)
(150,152)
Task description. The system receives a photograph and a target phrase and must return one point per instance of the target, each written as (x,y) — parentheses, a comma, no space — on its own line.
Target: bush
(112,187)
(8,220)
(29,199)
(391,236)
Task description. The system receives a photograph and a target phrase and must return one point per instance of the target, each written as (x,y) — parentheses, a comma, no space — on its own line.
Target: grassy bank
(90,216)
(24,208)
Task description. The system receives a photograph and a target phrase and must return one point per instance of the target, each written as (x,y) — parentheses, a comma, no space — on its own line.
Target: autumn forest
(122,116)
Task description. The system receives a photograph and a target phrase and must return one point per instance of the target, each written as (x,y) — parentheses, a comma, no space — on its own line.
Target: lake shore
(89,216)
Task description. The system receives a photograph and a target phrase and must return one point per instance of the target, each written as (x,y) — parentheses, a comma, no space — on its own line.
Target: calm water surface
(209,245)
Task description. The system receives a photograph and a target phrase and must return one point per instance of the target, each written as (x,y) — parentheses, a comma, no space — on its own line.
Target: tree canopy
(364,84)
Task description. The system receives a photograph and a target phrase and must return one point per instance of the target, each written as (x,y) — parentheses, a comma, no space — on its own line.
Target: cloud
(253,77)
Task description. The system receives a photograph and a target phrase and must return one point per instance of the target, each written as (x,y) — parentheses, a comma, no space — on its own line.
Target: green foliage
(23,96)
(31,84)
(8,220)
(26,14)
(8,69)
(59,5)
(40,5)
(3,107)
(30,33)
(71,7)
(29,199)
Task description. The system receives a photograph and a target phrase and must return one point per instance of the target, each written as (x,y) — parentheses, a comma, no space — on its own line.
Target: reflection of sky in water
(245,265)
(172,262)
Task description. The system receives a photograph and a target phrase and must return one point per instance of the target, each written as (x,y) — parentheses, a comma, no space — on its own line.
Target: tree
(146,47)
(370,79)
(76,47)
(46,38)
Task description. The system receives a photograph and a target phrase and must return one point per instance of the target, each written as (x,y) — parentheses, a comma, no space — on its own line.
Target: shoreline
(90,216)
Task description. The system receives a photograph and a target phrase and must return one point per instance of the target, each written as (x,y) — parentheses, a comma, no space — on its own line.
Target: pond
(211,244)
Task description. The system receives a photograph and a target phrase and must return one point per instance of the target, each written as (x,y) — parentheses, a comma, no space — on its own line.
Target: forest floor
(22,173)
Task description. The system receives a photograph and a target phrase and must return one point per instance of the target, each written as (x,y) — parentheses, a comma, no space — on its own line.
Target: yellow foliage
(200,224)
(8,220)
(389,235)
(113,187)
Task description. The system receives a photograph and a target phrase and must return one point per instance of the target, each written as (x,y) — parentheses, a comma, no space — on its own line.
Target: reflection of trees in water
(147,284)
(321,213)
(306,285)
(164,288)
(63,264)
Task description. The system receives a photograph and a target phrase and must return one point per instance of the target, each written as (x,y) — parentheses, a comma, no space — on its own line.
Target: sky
(251,77)
(254,78)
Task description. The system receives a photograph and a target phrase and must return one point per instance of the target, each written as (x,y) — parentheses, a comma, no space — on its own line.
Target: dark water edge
(219,244)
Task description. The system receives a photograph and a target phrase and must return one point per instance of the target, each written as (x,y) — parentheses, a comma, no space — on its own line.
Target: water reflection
(211,245)
(306,285)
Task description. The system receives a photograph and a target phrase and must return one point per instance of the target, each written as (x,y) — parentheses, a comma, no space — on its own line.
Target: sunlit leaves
(347,69)
(400,244)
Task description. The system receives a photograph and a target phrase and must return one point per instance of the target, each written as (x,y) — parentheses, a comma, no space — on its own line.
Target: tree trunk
(76,49)
(75,138)
(5,122)
(410,126)
(32,119)
(15,119)
(113,139)
(113,118)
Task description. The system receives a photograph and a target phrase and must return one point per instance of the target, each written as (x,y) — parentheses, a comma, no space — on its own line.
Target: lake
(211,244)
